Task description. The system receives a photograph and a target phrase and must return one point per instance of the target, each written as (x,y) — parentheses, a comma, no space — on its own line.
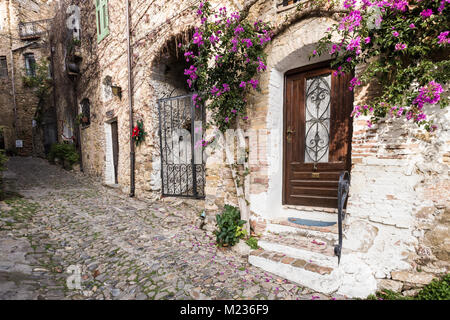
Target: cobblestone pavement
(125,248)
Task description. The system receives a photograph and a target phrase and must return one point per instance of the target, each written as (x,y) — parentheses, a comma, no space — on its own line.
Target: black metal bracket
(343,188)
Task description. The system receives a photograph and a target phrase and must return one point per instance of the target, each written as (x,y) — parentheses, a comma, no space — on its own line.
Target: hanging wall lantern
(117,91)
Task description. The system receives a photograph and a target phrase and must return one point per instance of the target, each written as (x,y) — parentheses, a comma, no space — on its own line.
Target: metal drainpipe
(14,95)
(130,104)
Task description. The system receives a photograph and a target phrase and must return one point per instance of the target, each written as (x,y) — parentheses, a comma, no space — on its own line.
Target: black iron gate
(181,132)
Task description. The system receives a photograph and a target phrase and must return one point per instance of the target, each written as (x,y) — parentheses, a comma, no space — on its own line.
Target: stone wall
(18,124)
(398,208)
(397,222)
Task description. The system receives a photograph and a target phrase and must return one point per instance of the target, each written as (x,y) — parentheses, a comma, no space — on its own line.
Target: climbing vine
(42,85)
(226,54)
(405,46)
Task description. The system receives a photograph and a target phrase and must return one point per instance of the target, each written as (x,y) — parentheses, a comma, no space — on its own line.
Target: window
(101,12)
(30,64)
(85,107)
(289,2)
(3,67)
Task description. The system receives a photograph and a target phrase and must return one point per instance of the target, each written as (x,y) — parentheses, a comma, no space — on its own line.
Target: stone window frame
(3,67)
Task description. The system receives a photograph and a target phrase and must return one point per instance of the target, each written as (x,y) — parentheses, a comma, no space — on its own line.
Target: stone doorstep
(284,222)
(312,244)
(294,262)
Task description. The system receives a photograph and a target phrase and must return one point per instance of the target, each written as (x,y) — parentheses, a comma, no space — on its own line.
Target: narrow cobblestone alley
(125,248)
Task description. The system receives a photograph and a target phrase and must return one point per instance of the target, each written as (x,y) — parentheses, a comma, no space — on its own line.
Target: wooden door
(317,135)
(115,145)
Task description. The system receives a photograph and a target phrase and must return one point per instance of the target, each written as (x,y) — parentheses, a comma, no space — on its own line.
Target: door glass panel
(317,126)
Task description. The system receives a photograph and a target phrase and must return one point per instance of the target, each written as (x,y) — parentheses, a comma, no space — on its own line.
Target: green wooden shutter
(101,13)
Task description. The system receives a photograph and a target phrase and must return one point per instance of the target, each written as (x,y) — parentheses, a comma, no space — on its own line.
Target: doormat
(311,223)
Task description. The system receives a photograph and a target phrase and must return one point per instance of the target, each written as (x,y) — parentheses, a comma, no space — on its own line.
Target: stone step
(307,243)
(326,259)
(278,257)
(312,265)
(303,270)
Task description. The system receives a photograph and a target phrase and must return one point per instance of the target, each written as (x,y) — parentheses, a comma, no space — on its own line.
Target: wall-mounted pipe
(130,104)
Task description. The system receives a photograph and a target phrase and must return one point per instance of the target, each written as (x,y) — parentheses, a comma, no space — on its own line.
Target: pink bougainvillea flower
(395,34)
(248,42)
(242,84)
(214,90)
(400,46)
(353,83)
(367,40)
(431,93)
(426,13)
(412,26)
(254,83)
(443,37)
(197,38)
(226,87)
(354,44)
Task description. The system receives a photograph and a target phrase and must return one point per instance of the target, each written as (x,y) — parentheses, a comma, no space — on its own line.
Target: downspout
(14,95)
(130,104)
(13,80)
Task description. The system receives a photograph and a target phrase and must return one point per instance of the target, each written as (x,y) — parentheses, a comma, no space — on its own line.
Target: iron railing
(343,188)
(33,29)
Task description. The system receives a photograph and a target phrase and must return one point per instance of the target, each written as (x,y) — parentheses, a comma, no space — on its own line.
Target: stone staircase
(299,253)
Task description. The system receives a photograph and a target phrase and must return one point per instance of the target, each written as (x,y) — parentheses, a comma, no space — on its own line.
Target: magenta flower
(214,90)
(431,93)
(351,21)
(254,83)
(426,13)
(443,37)
(197,38)
(226,87)
(242,84)
(248,42)
(354,44)
(261,65)
(238,30)
(400,46)
(412,26)
(367,40)
(395,34)
(353,83)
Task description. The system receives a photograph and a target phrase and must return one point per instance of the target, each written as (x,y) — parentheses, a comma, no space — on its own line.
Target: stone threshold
(284,222)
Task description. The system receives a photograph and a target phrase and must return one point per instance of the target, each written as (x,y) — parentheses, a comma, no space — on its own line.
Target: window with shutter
(101,12)
(3,67)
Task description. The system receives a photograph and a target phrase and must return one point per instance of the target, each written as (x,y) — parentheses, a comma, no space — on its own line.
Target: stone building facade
(397,211)
(24,42)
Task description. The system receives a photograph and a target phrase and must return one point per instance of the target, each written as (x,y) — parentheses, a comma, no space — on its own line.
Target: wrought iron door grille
(180,131)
